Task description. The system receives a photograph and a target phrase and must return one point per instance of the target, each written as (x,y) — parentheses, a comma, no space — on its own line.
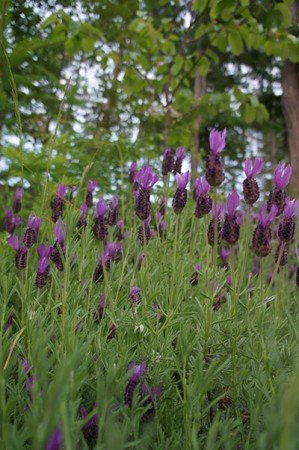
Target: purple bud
(135,295)
(91,185)
(253,167)
(217,140)
(233,201)
(264,218)
(132,172)
(220,211)
(61,190)
(59,232)
(282,175)
(197,267)
(44,250)
(146,178)
(291,208)
(19,194)
(14,242)
(34,222)
(101,208)
(55,440)
(182,180)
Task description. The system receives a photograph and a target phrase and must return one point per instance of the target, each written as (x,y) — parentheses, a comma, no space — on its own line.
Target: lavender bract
(180,196)
(214,164)
(231,227)
(250,187)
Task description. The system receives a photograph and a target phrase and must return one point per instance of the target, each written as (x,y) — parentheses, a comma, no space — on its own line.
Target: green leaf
(236,43)
(285,14)
(220,42)
(249,113)
(87,44)
(178,64)
(199,5)
(203,66)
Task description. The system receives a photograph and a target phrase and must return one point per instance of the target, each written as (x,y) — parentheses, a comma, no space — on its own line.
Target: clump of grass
(136,335)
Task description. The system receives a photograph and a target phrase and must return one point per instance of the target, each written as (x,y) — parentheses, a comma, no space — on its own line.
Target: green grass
(247,350)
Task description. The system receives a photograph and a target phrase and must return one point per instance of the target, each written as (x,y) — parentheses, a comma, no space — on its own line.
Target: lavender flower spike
(91,185)
(137,372)
(146,178)
(233,201)
(135,295)
(180,196)
(217,140)
(167,163)
(10,221)
(101,208)
(59,232)
(17,205)
(282,175)
(266,218)
(30,236)
(179,156)
(44,251)
(132,172)
(82,219)
(253,167)
(286,229)
(55,440)
(194,277)
(261,241)
(21,251)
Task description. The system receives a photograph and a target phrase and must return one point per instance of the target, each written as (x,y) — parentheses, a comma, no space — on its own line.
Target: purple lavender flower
(120,226)
(137,370)
(55,440)
(17,204)
(286,229)
(114,250)
(44,252)
(100,228)
(103,264)
(112,332)
(201,196)
(57,202)
(101,308)
(282,175)
(31,233)
(135,296)
(10,221)
(146,178)
(58,248)
(91,185)
(179,157)
(167,164)
(231,228)
(194,277)
(180,196)
(261,242)
(149,396)
(10,321)
(113,211)
(132,172)
(82,219)
(250,187)
(224,255)
(90,428)
(214,165)
(162,225)
(21,251)
(30,379)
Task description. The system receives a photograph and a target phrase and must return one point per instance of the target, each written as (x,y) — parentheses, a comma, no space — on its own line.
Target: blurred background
(101,83)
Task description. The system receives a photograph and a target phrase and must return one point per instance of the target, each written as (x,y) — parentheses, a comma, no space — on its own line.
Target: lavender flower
(57,203)
(17,204)
(44,252)
(58,249)
(214,165)
(101,308)
(82,219)
(55,440)
(282,175)
(114,250)
(132,172)
(224,255)
(162,206)
(91,185)
(113,211)
(120,226)
(180,196)
(10,321)
(201,196)
(135,296)
(100,228)
(21,251)
(167,164)
(250,187)
(103,264)
(30,379)
(286,229)
(10,221)
(179,157)
(231,228)
(112,332)
(146,180)
(149,396)
(137,370)
(162,225)
(31,233)
(261,242)
(194,277)
(144,231)
(90,428)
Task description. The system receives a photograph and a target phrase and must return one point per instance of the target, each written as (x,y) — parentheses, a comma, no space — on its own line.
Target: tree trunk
(290,104)
(199,91)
